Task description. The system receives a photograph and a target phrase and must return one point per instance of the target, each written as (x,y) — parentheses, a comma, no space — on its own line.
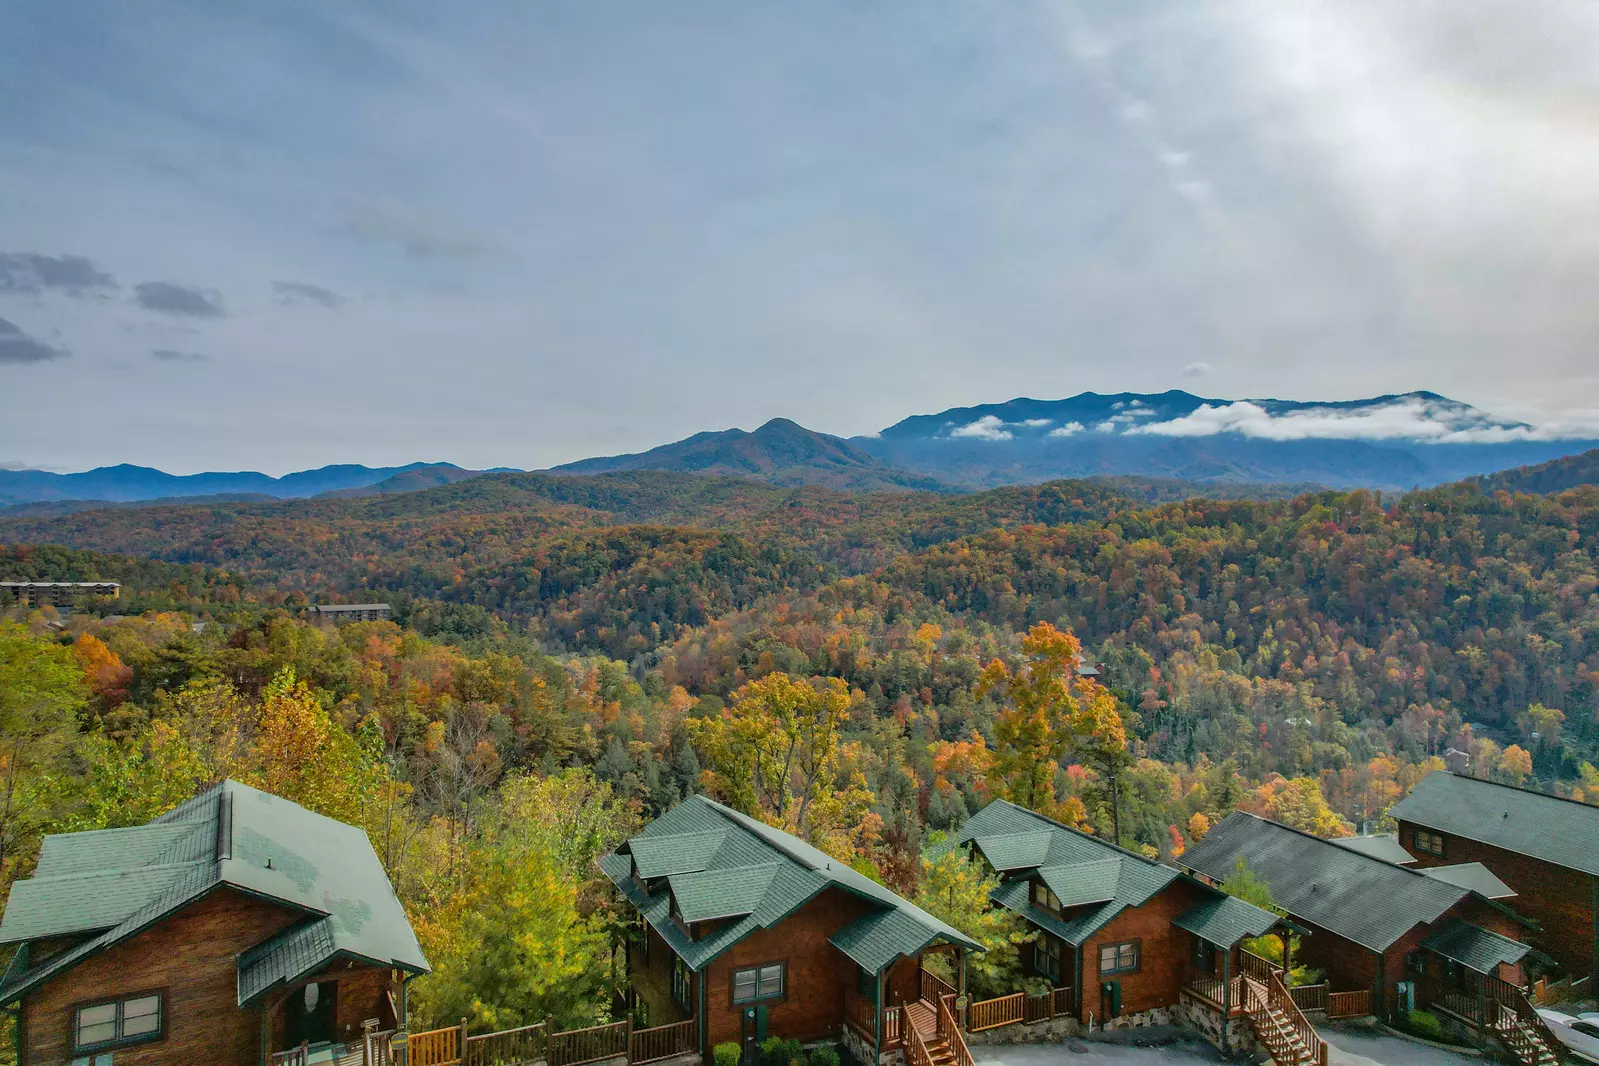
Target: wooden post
(460,1047)
(1226,1001)
(305,1052)
(629,1036)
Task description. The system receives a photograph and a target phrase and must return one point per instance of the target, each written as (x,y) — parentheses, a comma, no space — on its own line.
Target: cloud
(173,299)
(989,427)
(1410,419)
(293,293)
(72,275)
(19,347)
(1036,423)
(418,235)
(1196,370)
(169,355)
(1105,427)
(1067,430)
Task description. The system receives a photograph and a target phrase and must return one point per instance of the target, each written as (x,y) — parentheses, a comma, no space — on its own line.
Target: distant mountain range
(1391,442)
(780,452)
(1557,475)
(125,483)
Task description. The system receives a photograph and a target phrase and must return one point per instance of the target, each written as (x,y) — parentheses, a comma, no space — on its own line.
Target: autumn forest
(570,656)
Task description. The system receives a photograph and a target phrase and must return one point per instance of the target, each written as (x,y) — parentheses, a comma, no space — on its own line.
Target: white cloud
(989,427)
(1067,430)
(1034,423)
(1411,419)
(1196,370)
(1105,427)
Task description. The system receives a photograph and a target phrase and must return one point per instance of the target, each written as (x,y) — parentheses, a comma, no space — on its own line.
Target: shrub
(773,1053)
(725,1054)
(1426,1025)
(793,1053)
(826,1055)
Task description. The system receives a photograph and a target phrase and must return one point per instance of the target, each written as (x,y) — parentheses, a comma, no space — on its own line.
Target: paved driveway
(1349,1046)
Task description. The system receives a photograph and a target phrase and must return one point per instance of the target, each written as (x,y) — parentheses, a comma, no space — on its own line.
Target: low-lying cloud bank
(1411,420)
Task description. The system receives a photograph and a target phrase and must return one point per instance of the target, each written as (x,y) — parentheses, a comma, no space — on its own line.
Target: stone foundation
(1057,1029)
(1193,1013)
(860,1050)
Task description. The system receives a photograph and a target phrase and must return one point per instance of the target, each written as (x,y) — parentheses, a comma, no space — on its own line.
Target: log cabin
(1544,846)
(749,932)
(236,929)
(1409,937)
(1122,932)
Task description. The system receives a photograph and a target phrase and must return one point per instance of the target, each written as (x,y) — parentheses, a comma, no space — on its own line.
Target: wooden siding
(1163,960)
(652,980)
(1559,899)
(812,1007)
(190,955)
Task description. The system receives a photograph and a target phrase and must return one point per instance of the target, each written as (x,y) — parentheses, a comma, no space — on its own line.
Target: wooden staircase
(1275,1030)
(1529,1044)
(922,1016)
(932,1034)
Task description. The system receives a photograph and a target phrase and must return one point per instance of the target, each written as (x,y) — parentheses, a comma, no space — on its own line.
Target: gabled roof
(1225,920)
(1384,846)
(720,864)
(1358,897)
(1472,875)
(1474,947)
(1077,867)
(108,885)
(1559,831)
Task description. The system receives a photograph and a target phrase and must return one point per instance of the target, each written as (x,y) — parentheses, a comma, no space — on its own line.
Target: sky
(275,235)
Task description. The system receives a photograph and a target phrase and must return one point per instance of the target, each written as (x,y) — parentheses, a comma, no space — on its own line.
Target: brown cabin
(238,929)
(1544,847)
(747,932)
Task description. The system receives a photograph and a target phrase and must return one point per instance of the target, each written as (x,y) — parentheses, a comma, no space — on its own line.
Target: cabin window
(1118,958)
(1043,897)
(132,1020)
(1430,842)
(1046,957)
(680,982)
(759,982)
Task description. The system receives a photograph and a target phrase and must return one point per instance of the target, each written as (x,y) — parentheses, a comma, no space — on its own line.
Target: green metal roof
(1087,882)
(1016,851)
(1098,878)
(754,876)
(1358,897)
(1474,947)
(111,884)
(1559,831)
(1384,846)
(1474,876)
(1225,920)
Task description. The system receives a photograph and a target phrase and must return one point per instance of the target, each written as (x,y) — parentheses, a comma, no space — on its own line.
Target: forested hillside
(573,654)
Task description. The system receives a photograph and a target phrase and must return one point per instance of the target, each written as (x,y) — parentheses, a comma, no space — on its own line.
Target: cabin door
(309,1014)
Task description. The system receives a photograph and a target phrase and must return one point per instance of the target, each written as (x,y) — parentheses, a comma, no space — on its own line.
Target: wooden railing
(1310,997)
(993,1013)
(1051,1004)
(437,1047)
(934,988)
(861,1013)
(379,1047)
(1511,1014)
(892,1021)
(1211,989)
(1349,1004)
(916,1048)
(664,1042)
(1255,967)
(510,1047)
(949,1028)
(1272,997)
(295,1056)
(594,1044)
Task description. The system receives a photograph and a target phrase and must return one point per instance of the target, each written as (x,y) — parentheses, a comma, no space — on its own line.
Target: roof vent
(1507,814)
(269,862)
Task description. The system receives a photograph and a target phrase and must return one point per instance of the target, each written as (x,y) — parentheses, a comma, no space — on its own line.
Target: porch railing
(1310,997)
(1349,1004)
(664,1042)
(993,1013)
(934,988)
(1255,967)
(1213,990)
(295,1056)
(594,1044)
(949,1028)
(436,1047)
(893,1022)
(510,1047)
